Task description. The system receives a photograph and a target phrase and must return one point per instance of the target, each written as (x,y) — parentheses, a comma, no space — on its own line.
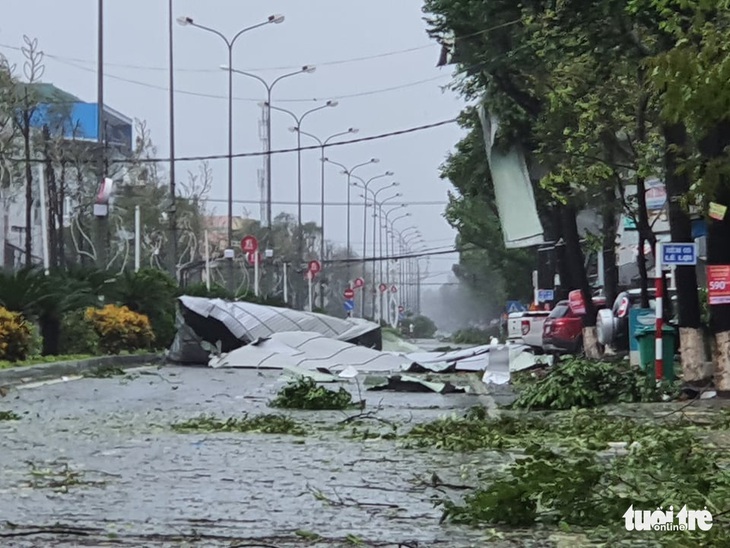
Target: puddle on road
(130,477)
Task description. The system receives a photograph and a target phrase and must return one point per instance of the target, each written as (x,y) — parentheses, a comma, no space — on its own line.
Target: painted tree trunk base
(722,364)
(696,370)
(590,343)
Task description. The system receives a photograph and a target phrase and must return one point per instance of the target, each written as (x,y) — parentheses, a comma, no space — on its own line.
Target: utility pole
(173,194)
(101,211)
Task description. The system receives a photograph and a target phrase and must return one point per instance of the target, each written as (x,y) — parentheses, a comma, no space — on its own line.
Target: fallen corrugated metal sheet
(405,383)
(310,351)
(234,324)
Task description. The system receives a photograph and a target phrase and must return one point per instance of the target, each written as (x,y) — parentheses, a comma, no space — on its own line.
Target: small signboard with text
(718,284)
(576,302)
(679,254)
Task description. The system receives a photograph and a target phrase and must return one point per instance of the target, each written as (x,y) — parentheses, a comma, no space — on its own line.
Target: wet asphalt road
(139,483)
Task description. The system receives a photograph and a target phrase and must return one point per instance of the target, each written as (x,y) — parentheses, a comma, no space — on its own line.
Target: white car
(526,328)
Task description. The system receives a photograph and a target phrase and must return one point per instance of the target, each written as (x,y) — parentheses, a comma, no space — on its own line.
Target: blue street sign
(679,254)
(545,295)
(349,305)
(515,306)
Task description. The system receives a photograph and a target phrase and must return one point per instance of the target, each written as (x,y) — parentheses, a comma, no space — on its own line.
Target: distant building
(75,121)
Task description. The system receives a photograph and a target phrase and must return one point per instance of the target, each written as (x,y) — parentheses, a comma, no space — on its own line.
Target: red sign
(393,289)
(249,244)
(315,267)
(576,303)
(251,257)
(401,308)
(359,282)
(718,284)
(383,288)
(349,294)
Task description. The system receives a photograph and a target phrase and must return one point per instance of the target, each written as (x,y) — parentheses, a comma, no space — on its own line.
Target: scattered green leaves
(9,416)
(305,393)
(578,382)
(578,488)
(262,424)
(587,429)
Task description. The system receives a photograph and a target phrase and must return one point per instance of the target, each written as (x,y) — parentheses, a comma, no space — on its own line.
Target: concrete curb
(31,373)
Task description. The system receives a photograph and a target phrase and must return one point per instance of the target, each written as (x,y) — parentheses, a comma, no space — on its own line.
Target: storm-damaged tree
(692,80)
(502,61)
(26,105)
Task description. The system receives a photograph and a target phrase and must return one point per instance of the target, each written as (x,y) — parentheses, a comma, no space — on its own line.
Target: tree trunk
(691,340)
(610,225)
(718,253)
(51,206)
(51,332)
(28,192)
(579,279)
(61,213)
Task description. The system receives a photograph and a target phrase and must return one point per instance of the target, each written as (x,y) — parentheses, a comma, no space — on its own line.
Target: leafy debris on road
(58,476)
(584,383)
(105,372)
(262,424)
(9,416)
(665,466)
(305,393)
(590,429)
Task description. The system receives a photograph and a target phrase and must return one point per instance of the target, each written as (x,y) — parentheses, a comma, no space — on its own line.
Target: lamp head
(309,69)
(184,21)
(332,103)
(389,173)
(352,130)
(276,19)
(395,183)
(294,129)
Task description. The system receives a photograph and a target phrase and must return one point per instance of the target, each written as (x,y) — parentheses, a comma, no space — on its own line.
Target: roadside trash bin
(647,350)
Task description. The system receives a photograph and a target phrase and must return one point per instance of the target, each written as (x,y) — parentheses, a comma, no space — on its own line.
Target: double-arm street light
(374,195)
(306,69)
(384,234)
(230,43)
(298,120)
(350,173)
(323,161)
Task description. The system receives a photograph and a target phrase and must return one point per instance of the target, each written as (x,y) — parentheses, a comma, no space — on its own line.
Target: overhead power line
(264,153)
(352,204)
(264,69)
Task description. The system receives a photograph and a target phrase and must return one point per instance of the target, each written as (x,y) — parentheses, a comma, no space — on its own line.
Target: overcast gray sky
(393,90)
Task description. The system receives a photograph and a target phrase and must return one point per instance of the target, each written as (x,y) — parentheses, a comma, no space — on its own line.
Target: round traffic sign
(393,289)
(383,288)
(249,244)
(251,257)
(349,294)
(401,308)
(315,267)
(359,282)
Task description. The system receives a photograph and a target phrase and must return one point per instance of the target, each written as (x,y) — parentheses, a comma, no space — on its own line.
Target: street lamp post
(322,159)
(298,120)
(350,172)
(380,226)
(230,43)
(375,226)
(306,69)
(389,249)
(365,185)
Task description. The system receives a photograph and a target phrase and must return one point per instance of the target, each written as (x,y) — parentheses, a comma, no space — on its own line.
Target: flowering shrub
(120,329)
(15,336)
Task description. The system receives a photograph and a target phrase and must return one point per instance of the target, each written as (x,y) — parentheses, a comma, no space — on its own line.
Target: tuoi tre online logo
(667,520)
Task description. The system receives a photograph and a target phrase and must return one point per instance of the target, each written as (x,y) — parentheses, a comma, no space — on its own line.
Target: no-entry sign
(249,244)
(349,294)
(359,282)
